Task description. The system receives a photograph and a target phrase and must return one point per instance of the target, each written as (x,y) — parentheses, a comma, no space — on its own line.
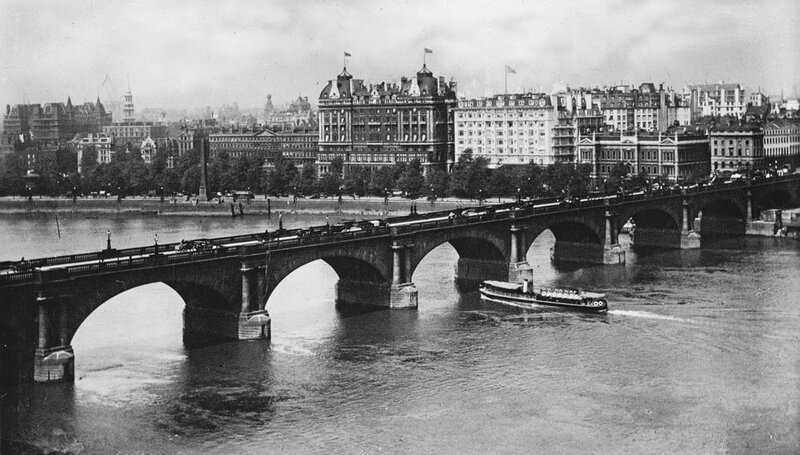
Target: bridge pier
(689,238)
(370,293)
(610,252)
(518,268)
(54,359)
(400,293)
(251,322)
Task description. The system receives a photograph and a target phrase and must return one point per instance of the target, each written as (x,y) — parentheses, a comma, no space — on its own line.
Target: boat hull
(528,301)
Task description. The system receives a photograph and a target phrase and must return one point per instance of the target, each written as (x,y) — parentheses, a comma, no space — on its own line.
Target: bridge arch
(491,244)
(666,217)
(723,207)
(192,293)
(356,265)
(569,229)
(721,217)
(776,198)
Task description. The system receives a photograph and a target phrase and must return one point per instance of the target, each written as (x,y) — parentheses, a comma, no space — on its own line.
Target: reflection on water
(698,354)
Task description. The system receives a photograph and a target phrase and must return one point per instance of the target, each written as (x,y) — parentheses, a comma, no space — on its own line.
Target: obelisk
(203,196)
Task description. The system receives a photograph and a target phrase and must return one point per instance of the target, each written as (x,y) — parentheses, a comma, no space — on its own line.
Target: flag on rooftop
(510,70)
(428,51)
(347,54)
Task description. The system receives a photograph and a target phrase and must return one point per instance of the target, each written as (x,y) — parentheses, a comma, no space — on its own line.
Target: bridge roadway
(226,281)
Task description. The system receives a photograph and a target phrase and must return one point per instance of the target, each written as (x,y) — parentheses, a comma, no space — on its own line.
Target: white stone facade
(507,129)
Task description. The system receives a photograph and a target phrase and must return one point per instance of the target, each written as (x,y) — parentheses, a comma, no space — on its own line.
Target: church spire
(128,115)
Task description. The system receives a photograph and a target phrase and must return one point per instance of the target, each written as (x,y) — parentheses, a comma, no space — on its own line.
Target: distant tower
(127,107)
(268,107)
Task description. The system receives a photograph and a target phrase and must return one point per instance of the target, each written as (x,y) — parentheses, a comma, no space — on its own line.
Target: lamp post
(162,193)
(519,195)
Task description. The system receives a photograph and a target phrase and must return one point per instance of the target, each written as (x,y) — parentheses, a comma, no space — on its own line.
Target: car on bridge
(196,245)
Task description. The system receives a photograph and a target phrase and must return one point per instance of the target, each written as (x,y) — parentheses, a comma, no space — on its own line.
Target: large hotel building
(522,128)
(374,125)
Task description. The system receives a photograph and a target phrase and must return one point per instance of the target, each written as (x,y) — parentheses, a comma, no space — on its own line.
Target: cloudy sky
(190,53)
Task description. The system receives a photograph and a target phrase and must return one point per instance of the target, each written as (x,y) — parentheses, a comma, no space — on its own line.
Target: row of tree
(471,177)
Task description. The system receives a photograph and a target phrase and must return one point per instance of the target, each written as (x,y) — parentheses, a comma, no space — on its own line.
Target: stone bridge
(226,287)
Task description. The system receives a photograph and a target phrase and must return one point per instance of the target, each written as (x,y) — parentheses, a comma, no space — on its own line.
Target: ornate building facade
(300,148)
(148,149)
(717,100)
(737,147)
(522,128)
(239,144)
(52,123)
(375,125)
(130,135)
(673,158)
(101,143)
(782,143)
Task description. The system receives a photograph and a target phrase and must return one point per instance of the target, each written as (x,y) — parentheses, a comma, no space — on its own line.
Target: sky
(196,53)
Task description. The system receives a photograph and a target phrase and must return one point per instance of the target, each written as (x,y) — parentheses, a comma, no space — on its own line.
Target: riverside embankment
(366,207)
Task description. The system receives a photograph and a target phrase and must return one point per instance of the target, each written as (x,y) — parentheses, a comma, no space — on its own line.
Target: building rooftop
(714,87)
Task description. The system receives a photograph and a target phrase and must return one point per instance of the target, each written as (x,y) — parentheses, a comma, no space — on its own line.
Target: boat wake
(648,315)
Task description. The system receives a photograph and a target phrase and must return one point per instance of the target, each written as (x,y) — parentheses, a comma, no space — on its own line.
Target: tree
(11,172)
(136,176)
(282,178)
(245,172)
(357,180)
(306,181)
(187,171)
(331,182)
(640,180)
(470,176)
(438,182)
(66,161)
(382,181)
(219,177)
(411,181)
(529,180)
(579,184)
(617,177)
(88,159)
(158,169)
(501,182)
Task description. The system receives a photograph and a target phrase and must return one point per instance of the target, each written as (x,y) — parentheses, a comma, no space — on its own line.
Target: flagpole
(424,57)
(505,71)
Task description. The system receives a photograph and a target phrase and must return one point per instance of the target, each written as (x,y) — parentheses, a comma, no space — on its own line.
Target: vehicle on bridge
(196,245)
(525,295)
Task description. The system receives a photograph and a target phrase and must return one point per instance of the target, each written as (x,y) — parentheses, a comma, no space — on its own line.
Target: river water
(700,353)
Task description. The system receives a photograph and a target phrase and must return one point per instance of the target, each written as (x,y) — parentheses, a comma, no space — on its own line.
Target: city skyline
(186,55)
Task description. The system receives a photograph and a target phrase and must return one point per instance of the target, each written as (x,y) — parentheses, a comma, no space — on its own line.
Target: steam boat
(525,295)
